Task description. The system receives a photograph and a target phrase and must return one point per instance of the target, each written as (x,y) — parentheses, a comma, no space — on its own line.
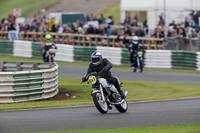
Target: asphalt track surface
(140,114)
(70,71)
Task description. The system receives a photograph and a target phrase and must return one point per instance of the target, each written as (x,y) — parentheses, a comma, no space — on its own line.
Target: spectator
(169,32)
(173,24)
(139,32)
(180,33)
(53,28)
(136,17)
(196,20)
(90,30)
(110,20)
(147,32)
(161,21)
(127,19)
(88,17)
(21,28)
(102,31)
(11,27)
(179,26)
(96,30)
(60,29)
(134,23)
(101,19)
(109,31)
(127,31)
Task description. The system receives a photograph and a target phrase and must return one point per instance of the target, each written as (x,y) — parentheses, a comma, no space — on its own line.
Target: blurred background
(177,22)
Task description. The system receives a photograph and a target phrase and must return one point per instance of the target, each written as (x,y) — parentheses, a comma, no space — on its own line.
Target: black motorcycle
(50,54)
(138,61)
(105,95)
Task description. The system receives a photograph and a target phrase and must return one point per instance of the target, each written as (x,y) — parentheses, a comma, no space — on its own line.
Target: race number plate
(139,53)
(92,80)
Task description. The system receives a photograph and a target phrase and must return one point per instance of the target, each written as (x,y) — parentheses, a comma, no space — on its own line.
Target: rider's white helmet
(135,40)
(96,58)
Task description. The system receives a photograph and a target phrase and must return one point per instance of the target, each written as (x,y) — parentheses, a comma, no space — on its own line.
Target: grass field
(168,129)
(27,6)
(138,91)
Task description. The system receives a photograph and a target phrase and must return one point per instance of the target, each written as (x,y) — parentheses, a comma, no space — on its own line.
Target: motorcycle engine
(115,97)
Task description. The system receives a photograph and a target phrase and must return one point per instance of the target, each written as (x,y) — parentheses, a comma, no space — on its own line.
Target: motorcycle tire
(141,65)
(52,59)
(122,108)
(101,106)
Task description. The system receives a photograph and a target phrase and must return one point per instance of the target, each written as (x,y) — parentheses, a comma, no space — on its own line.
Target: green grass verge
(86,64)
(138,91)
(167,129)
(27,6)
(113,10)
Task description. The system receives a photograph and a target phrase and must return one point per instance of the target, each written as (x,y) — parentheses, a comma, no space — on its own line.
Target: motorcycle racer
(134,47)
(102,66)
(47,44)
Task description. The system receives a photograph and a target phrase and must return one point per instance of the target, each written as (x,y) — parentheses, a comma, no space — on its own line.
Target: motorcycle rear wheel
(101,105)
(122,108)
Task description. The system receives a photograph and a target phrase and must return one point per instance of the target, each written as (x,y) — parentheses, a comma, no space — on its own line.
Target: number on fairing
(92,80)
(139,53)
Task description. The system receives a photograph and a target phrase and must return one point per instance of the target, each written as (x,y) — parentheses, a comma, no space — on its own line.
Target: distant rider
(47,44)
(102,66)
(134,47)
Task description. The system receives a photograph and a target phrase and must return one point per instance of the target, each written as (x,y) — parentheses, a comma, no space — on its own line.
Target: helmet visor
(48,40)
(95,60)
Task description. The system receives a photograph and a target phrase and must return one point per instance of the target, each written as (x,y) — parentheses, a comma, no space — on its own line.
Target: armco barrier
(6,46)
(198,61)
(184,60)
(69,53)
(125,56)
(40,82)
(158,59)
(83,53)
(112,54)
(36,49)
(22,48)
(64,53)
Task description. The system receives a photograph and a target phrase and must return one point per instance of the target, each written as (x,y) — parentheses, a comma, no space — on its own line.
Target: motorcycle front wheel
(101,105)
(141,65)
(123,107)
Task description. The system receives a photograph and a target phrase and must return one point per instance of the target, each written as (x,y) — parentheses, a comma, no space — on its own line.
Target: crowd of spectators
(189,29)
(129,27)
(8,24)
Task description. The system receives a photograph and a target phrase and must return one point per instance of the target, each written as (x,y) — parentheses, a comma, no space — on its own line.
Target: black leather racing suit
(134,48)
(103,70)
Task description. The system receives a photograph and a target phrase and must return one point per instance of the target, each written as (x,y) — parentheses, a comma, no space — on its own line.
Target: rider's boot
(122,94)
(109,106)
(134,70)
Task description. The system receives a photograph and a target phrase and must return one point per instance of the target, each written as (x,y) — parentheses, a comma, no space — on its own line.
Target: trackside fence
(177,59)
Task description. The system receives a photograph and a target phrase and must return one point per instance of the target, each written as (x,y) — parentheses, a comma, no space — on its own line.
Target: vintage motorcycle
(50,54)
(105,95)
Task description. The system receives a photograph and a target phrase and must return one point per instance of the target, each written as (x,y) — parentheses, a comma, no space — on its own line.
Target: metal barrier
(191,44)
(21,82)
(90,40)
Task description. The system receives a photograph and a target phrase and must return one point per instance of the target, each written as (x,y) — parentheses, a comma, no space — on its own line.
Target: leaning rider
(134,47)
(102,66)
(47,44)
